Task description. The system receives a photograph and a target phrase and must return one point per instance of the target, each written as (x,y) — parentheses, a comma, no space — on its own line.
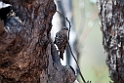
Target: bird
(61,40)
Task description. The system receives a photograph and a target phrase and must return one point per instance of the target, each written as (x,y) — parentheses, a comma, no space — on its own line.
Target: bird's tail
(61,55)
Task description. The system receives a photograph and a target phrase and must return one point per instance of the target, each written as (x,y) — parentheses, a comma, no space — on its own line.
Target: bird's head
(65,30)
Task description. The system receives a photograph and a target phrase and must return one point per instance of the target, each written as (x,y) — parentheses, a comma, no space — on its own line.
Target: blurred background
(92,57)
(86,25)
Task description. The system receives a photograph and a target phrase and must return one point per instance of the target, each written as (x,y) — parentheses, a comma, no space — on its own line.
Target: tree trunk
(30,55)
(112,21)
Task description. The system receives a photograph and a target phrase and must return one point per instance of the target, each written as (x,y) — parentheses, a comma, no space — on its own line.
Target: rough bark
(112,21)
(30,56)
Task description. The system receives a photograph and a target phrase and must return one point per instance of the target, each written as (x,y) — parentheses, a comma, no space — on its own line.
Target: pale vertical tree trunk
(112,21)
(66,9)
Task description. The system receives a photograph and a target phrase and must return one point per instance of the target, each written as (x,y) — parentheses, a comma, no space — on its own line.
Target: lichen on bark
(111,13)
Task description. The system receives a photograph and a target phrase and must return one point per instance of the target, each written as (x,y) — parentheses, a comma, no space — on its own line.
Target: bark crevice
(30,55)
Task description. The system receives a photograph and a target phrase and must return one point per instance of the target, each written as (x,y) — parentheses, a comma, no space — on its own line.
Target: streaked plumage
(61,40)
